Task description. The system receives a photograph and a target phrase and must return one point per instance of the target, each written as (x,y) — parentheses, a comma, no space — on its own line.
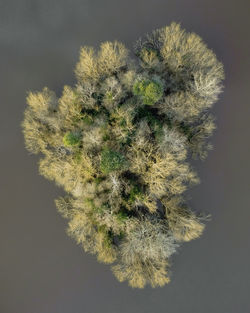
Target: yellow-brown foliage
(91,66)
(119,142)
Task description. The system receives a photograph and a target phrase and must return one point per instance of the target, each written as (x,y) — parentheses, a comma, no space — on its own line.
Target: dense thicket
(118,143)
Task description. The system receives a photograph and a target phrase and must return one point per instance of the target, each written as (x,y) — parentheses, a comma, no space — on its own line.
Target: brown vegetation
(118,143)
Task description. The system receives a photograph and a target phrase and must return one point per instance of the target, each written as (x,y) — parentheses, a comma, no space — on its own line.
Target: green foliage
(135,192)
(121,216)
(119,144)
(150,91)
(112,161)
(71,139)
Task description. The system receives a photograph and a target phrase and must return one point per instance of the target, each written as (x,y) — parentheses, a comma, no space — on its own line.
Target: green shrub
(149,91)
(112,161)
(71,139)
(135,193)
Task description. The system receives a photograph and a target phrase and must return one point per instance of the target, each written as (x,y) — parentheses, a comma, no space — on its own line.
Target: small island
(119,142)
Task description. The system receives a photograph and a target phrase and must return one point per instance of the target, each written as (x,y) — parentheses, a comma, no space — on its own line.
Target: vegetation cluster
(119,141)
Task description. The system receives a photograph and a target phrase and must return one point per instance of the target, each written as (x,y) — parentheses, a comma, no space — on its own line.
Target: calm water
(41,269)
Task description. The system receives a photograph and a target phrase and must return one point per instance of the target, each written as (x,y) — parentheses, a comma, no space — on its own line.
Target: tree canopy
(119,141)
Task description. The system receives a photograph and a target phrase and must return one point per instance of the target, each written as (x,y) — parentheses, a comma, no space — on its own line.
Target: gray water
(42,270)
